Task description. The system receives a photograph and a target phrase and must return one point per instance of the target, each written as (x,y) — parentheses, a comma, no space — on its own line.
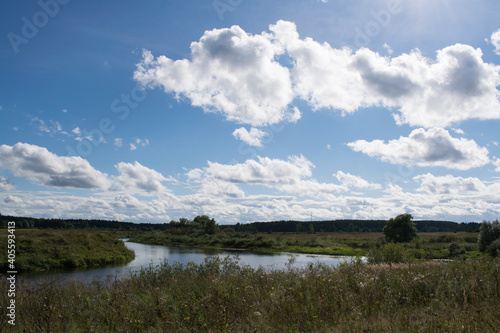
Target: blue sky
(250,110)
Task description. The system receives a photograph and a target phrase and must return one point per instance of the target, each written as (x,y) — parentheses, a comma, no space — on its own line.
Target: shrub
(389,253)
(455,249)
(488,233)
(494,248)
(400,229)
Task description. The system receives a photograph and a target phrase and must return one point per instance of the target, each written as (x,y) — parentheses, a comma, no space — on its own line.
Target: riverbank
(40,250)
(222,296)
(425,246)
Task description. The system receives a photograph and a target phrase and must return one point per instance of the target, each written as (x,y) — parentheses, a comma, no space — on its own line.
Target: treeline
(348,226)
(255,227)
(42,223)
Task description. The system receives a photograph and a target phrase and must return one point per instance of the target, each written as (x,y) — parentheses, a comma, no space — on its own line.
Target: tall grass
(222,296)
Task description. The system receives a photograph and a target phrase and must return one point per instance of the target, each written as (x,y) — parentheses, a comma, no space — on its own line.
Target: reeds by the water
(222,296)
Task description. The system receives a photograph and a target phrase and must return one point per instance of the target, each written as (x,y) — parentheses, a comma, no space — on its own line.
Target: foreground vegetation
(38,250)
(222,296)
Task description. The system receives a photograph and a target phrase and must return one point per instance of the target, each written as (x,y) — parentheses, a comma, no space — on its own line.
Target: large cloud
(292,176)
(449,184)
(457,86)
(434,147)
(136,177)
(38,164)
(263,171)
(230,72)
(238,74)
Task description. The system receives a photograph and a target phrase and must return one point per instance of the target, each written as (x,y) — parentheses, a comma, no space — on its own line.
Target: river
(146,255)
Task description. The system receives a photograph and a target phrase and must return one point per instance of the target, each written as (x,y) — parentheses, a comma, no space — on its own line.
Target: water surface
(146,255)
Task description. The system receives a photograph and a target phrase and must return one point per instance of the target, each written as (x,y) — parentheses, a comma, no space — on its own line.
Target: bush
(488,233)
(455,249)
(494,248)
(400,229)
(389,253)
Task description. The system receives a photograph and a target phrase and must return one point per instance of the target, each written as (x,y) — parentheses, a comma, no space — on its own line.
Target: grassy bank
(38,250)
(221,296)
(426,246)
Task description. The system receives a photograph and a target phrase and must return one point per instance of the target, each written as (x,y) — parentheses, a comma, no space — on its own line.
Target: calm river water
(146,255)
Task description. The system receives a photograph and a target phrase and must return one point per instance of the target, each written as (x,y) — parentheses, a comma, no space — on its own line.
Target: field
(425,246)
(221,296)
(394,290)
(38,250)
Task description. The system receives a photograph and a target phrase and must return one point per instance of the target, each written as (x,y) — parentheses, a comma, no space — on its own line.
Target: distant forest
(255,227)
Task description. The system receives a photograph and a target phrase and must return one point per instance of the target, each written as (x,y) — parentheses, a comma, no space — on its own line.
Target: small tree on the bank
(489,238)
(400,229)
(206,223)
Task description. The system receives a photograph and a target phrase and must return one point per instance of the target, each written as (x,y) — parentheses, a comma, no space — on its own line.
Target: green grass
(38,250)
(222,296)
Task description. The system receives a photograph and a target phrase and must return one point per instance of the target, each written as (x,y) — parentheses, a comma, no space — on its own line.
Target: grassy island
(425,246)
(39,250)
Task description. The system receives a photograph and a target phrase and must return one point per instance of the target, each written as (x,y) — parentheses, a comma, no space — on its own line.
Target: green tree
(184,222)
(206,223)
(400,229)
(488,233)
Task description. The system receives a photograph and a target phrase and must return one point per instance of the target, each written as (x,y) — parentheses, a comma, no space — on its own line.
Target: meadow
(222,296)
(39,250)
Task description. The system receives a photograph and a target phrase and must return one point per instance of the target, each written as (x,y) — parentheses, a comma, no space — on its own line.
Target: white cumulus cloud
(434,147)
(238,74)
(449,184)
(38,164)
(496,163)
(495,40)
(252,138)
(264,171)
(293,176)
(355,181)
(136,177)
(456,86)
(231,72)
(5,184)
